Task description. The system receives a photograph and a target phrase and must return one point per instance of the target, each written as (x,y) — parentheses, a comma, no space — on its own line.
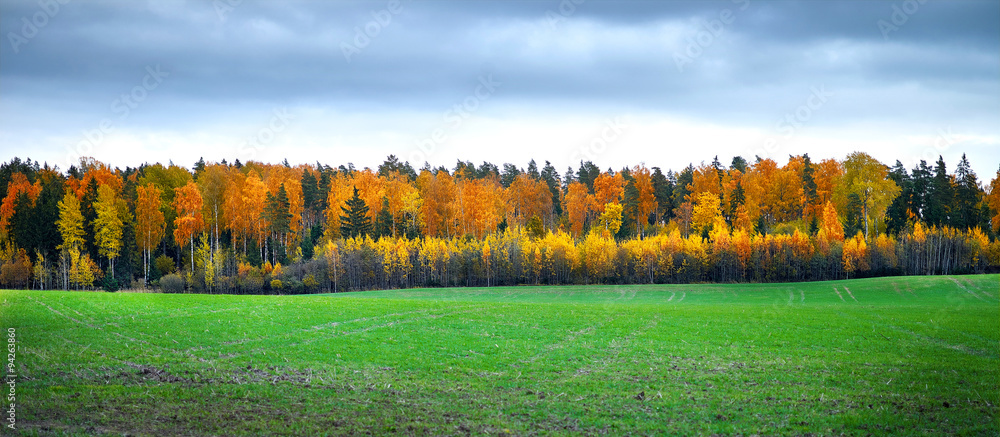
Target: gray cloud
(941,65)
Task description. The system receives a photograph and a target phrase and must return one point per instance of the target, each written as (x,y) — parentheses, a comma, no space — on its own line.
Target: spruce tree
(383,221)
(941,196)
(967,197)
(355,221)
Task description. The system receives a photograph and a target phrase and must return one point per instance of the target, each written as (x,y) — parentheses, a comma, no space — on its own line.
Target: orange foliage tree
(188,203)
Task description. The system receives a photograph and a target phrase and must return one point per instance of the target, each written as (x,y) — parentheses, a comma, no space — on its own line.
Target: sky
(663,83)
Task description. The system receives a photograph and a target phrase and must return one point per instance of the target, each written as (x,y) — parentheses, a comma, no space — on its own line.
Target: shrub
(294,286)
(165,265)
(310,283)
(253,283)
(172,283)
(110,284)
(276,284)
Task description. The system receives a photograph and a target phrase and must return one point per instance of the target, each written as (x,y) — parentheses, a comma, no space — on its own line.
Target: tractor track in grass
(190,352)
(878,321)
(838,294)
(311,329)
(848,290)
(966,289)
(566,340)
(615,348)
(332,335)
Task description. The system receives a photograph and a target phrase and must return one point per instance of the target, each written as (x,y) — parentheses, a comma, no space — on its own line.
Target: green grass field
(911,356)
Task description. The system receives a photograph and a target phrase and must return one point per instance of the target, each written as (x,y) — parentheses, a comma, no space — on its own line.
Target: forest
(252,228)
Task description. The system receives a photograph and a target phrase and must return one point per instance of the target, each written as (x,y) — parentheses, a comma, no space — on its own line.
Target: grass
(916,356)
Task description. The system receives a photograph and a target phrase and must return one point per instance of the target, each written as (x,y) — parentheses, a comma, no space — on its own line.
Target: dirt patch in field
(141,374)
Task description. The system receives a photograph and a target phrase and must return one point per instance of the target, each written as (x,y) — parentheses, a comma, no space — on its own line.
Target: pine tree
(355,221)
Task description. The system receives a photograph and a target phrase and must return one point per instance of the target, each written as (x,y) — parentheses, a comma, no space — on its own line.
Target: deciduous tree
(188,204)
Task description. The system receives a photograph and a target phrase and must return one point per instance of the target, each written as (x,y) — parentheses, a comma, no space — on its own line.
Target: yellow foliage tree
(706,211)
(108,225)
(611,220)
(855,255)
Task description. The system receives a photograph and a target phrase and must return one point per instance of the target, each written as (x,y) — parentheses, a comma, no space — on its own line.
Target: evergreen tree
(854,215)
(568,178)
(278,218)
(736,199)
(685,178)
(310,194)
(510,172)
(533,170)
(587,174)
(663,190)
(966,213)
(808,179)
(899,211)
(739,164)
(89,215)
(920,186)
(383,221)
(355,221)
(551,178)
(941,196)
(630,204)
(487,170)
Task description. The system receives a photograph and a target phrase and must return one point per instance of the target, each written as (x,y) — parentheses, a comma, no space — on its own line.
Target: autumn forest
(251,228)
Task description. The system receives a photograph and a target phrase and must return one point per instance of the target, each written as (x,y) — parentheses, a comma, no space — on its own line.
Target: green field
(913,356)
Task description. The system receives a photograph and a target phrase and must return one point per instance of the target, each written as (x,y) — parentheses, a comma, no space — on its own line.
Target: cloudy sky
(664,83)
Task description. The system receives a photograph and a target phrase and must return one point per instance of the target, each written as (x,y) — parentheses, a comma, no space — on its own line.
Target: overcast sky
(619,83)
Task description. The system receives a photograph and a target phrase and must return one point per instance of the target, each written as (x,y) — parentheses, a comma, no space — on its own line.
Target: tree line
(276,228)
